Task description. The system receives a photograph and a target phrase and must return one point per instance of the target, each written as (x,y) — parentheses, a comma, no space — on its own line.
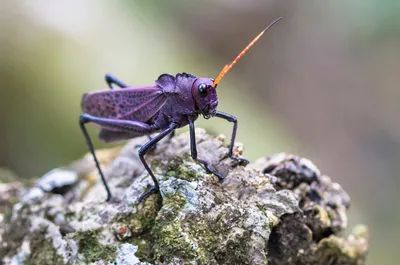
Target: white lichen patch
(22,255)
(57,178)
(126,255)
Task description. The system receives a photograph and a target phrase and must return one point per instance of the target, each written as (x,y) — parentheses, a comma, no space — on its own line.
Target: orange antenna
(229,66)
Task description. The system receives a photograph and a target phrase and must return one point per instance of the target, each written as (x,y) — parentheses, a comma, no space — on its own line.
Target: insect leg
(193,151)
(172,134)
(143,150)
(150,138)
(110,79)
(111,124)
(137,127)
(91,149)
(233,119)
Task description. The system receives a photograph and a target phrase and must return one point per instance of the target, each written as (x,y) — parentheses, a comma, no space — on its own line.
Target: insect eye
(202,90)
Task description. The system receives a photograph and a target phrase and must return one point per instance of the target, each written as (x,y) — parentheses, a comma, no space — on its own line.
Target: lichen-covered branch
(277,210)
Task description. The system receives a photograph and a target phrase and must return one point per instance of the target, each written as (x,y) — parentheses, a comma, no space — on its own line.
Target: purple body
(170,100)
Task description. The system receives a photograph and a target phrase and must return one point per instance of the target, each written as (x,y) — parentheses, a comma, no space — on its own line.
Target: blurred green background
(323,83)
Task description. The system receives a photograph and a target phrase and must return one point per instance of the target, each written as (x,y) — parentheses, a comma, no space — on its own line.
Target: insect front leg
(143,150)
(123,125)
(193,151)
(233,119)
(110,79)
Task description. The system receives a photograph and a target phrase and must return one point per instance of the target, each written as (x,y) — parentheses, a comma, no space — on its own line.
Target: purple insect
(170,103)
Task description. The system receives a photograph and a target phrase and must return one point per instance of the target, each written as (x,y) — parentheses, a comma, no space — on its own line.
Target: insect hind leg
(172,134)
(150,138)
(82,123)
(111,79)
(111,124)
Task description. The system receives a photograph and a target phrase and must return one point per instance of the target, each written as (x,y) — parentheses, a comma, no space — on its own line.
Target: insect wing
(131,103)
(112,136)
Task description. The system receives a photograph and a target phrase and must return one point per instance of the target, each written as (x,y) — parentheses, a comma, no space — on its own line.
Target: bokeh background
(322,83)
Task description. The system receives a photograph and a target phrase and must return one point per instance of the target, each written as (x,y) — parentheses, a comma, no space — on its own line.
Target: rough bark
(277,210)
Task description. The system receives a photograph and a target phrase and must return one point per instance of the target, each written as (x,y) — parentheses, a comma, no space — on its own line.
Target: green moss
(166,231)
(157,238)
(172,205)
(183,167)
(173,163)
(338,249)
(206,239)
(91,248)
(145,247)
(140,224)
(235,250)
(170,238)
(210,234)
(142,220)
(69,215)
(42,250)
(156,162)
(170,242)
(195,239)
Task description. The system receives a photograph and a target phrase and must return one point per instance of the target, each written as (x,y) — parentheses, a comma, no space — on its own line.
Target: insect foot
(237,149)
(278,210)
(242,161)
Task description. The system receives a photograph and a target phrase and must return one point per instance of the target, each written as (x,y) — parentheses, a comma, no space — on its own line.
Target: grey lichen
(278,210)
(42,250)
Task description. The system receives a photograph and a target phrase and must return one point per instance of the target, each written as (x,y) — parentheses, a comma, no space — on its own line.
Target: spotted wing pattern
(131,103)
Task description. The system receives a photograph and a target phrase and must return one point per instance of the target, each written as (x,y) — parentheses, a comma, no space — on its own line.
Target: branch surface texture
(279,209)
